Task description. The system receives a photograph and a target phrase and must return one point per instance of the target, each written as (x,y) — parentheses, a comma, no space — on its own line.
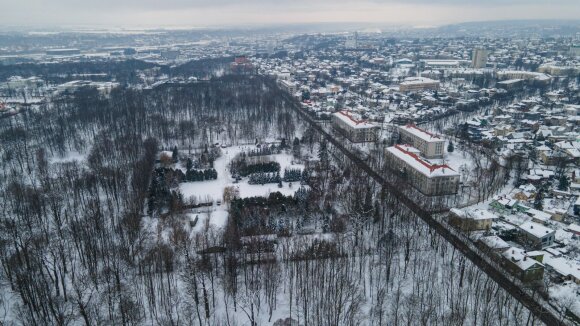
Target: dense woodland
(74,249)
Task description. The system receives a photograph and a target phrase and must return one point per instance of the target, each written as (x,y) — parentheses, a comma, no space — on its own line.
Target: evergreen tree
(296,141)
(538,200)
(404,174)
(450,147)
(189,164)
(323,154)
(563,182)
(175,155)
(296,147)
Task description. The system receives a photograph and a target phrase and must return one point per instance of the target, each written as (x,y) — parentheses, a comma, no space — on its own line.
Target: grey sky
(150,13)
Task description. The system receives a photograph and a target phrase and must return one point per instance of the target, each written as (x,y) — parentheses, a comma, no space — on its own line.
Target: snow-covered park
(214,189)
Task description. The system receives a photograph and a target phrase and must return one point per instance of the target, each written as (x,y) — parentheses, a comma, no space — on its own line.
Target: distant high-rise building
(479,58)
(575,50)
(352,41)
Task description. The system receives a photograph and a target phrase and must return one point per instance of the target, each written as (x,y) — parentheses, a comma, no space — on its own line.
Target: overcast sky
(151,13)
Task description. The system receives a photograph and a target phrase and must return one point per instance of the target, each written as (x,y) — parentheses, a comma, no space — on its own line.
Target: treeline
(200,175)
(264,150)
(244,168)
(293,175)
(123,71)
(263,178)
(162,195)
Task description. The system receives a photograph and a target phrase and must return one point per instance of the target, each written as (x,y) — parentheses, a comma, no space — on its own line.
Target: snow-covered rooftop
(563,265)
(419,81)
(421,133)
(518,256)
(352,121)
(475,214)
(409,155)
(574,227)
(494,242)
(536,229)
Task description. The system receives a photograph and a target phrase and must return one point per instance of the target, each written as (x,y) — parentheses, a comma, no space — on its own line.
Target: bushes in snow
(263,178)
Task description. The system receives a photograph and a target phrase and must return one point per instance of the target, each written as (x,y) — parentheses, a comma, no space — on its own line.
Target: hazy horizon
(205,13)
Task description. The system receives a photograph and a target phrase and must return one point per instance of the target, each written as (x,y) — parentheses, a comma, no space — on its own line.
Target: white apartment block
(479,58)
(356,130)
(430,179)
(430,145)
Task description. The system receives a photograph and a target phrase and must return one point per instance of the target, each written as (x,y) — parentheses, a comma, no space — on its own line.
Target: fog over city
(150,13)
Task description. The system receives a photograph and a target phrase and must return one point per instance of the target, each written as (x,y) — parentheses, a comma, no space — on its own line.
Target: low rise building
(430,179)
(493,243)
(510,84)
(471,220)
(522,266)
(353,128)
(566,269)
(536,236)
(413,84)
(574,228)
(430,145)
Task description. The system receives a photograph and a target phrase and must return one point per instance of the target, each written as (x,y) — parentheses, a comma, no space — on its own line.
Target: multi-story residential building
(430,145)
(575,50)
(289,86)
(354,128)
(430,179)
(523,75)
(413,84)
(510,84)
(558,70)
(441,64)
(479,58)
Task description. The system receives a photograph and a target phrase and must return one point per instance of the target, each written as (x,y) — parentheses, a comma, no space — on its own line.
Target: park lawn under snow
(213,189)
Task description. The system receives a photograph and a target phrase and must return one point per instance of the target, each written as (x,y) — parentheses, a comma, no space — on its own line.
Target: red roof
(411,125)
(346,114)
(431,167)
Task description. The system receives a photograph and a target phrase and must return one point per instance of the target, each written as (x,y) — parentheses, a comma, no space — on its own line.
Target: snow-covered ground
(214,189)
(68,157)
(566,295)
